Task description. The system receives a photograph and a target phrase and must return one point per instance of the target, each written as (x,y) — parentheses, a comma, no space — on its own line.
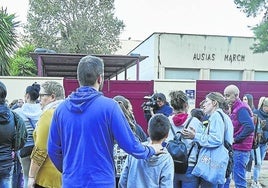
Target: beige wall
(207,53)
(185,50)
(16,85)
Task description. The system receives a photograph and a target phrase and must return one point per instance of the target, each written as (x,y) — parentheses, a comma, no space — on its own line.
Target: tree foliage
(74,26)
(254,8)
(21,64)
(8,39)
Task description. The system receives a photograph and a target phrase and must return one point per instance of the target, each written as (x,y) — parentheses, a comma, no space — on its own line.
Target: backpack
(178,151)
(229,147)
(20,132)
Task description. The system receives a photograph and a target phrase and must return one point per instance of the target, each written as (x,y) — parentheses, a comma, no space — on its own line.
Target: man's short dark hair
(88,70)
(159,126)
(198,113)
(3,93)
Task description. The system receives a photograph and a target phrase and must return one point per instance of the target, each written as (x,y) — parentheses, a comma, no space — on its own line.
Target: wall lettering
(203,56)
(234,57)
(212,57)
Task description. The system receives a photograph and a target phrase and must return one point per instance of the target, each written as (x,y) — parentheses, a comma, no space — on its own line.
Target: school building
(177,61)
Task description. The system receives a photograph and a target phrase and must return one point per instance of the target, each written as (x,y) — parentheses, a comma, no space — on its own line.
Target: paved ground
(264,174)
(263,177)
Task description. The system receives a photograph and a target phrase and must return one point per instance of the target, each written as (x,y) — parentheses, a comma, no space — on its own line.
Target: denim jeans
(17,179)
(186,180)
(241,159)
(205,184)
(6,178)
(227,183)
(260,155)
(25,163)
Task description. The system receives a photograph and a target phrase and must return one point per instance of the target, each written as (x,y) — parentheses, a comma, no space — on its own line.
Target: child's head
(198,113)
(158,128)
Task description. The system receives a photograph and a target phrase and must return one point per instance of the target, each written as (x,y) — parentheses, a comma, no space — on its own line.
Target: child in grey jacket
(155,172)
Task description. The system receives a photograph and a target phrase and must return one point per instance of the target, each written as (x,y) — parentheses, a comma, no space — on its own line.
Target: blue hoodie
(81,139)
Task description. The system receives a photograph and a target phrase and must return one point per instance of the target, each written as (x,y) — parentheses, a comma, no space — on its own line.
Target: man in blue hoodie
(83,131)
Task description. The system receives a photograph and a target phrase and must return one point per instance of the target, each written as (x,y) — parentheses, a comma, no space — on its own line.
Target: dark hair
(198,113)
(33,91)
(250,101)
(159,126)
(88,70)
(3,93)
(178,99)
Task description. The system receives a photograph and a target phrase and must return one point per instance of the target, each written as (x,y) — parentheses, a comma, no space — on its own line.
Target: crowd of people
(89,140)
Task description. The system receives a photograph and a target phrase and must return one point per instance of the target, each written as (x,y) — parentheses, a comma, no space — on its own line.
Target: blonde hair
(261,102)
(216,96)
(53,87)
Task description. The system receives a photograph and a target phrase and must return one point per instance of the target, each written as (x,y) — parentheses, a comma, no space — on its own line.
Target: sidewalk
(263,176)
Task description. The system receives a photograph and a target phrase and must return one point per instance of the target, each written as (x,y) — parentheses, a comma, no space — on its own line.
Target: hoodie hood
(157,160)
(4,114)
(29,110)
(179,119)
(83,97)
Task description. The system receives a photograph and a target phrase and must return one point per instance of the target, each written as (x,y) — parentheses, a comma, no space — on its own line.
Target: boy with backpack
(157,171)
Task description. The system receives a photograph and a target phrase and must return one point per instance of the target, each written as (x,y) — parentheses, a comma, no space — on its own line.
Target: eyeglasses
(44,94)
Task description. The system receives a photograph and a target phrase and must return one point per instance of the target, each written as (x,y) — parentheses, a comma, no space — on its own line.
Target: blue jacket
(81,139)
(165,109)
(220,128)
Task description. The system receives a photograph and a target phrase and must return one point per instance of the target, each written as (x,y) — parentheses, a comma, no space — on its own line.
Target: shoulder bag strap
(225,127)
(33,126)
(186,126)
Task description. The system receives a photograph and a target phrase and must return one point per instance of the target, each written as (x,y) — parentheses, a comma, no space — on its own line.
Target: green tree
(21,64)
(74,26)
(254,8)
(8,39)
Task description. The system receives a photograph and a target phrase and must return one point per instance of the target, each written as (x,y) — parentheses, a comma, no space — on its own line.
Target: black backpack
(178,152)
(20,132)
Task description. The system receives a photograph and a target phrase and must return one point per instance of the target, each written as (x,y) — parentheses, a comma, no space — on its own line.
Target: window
(226,75)
(260,76)
(175,73)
